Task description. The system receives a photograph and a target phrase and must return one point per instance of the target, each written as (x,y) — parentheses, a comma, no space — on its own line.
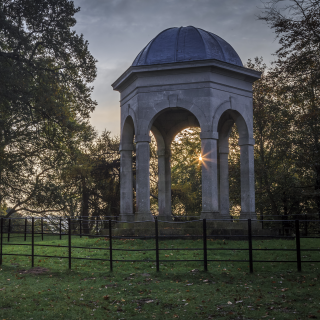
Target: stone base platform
(215,229)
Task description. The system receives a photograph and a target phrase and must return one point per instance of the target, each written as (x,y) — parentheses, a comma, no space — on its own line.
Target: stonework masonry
(167,98)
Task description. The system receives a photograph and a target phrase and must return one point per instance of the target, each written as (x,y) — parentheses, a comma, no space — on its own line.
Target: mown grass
(180,290)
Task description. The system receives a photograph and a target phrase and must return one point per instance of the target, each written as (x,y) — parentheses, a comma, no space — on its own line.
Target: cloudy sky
(117,30)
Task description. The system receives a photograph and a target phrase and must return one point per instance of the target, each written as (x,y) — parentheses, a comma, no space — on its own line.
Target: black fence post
(205,257)
(25,228)
(250,245)
(1,238)
(9,227)
(69,241)
(32,242)
(110,244)
(157,243)
(298,245)
(60,228)
(80,228)
(42,229)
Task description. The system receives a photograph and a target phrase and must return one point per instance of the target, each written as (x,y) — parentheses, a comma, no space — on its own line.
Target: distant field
(134,290)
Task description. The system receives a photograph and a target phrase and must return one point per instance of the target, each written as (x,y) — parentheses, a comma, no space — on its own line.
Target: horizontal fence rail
(26,228)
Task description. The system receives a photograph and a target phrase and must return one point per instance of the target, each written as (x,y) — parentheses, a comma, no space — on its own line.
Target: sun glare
(200,158)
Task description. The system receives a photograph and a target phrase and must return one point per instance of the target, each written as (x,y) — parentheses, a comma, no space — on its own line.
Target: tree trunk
(85,207)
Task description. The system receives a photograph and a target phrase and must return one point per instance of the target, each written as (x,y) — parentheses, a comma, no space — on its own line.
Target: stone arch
(172,103)
(126,174)
(230,109)
(165,125)
(159,138)
(226,119)
(128,131)
(181,126)
(164,175)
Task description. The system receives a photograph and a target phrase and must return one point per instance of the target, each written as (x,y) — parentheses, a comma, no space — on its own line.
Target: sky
(117,30)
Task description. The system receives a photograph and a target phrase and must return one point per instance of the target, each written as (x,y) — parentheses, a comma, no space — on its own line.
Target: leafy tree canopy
(45,102)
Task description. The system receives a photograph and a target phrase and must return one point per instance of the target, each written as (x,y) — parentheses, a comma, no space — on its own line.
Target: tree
(186,173)
(45,103)
(234,172)
(297,72)
(90,180)
(278,182)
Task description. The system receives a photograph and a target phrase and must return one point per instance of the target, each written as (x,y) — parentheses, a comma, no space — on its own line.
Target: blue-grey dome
(186,44)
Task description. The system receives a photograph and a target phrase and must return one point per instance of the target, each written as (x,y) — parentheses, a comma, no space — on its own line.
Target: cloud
(117,30)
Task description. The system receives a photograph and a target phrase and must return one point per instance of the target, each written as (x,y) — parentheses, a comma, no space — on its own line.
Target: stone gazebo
(186,77)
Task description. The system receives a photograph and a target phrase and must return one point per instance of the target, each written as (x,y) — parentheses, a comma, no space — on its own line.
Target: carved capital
(209,135)
(246,141)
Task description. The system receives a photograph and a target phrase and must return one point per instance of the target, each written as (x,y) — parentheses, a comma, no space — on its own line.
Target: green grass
(180,290)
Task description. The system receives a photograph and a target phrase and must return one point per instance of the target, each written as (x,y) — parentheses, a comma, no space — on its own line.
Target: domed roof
(186,44)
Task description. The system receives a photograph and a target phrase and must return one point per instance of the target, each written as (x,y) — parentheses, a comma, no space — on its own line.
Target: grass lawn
(180,290)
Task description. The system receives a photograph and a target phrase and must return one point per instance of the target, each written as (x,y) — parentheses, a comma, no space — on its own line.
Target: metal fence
(31,227)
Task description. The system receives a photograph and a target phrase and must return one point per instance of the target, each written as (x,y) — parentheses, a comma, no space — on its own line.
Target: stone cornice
(132,73)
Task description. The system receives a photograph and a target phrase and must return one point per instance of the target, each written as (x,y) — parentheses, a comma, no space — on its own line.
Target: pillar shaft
(142,182)
(247,182)
(126,186)
(164,184)
(224,185)
(168,183)
(210,201)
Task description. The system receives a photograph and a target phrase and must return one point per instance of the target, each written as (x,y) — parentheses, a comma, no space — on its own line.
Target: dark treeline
(286,123)
(287,112)
(51,159)
(53,162)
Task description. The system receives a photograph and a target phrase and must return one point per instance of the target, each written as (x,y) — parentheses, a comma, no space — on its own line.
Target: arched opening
(170,179)
(186,173)
(127,182)
(127,131)
(165,128)
(235,172)
(153,173)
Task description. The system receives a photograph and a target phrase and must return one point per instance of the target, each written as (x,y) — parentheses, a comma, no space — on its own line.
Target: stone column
(168,183)
(161,182)
(142,179)
(224,182)
(164,184)
(247,178)
(210,198)
(126,186)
